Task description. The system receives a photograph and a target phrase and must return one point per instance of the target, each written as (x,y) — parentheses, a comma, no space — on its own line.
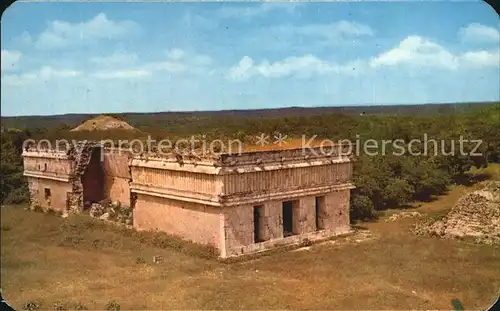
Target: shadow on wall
(93,179)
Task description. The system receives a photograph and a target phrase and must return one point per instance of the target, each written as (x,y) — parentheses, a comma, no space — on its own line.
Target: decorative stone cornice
(256,198)
(235,199)
(46,154)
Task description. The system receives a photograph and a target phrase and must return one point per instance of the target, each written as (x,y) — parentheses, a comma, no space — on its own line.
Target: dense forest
(382,181)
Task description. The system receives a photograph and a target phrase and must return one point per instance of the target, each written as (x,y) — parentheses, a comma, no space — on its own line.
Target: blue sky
(121,57)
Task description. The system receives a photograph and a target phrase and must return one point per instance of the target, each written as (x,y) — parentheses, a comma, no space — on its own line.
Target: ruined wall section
(80,154)
(47,174)
(59,191)
(117,175)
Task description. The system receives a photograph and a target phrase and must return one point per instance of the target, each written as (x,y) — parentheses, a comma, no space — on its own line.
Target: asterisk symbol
(262,139)
(280,139)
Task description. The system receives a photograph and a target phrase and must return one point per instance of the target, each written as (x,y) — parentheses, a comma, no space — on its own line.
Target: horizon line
(248,109)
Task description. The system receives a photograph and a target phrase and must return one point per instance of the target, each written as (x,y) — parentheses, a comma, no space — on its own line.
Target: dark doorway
(93,178)
(287,218)
(257,235)
(68,201)
(320,206)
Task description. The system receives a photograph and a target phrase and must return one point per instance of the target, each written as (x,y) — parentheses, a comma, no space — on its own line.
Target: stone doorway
(288,218)
(93,179)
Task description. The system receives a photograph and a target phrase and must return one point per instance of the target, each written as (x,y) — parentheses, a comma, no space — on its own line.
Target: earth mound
(103,123)
(475,215)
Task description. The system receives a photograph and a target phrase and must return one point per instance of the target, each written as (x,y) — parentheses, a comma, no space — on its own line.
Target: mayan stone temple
(238,203)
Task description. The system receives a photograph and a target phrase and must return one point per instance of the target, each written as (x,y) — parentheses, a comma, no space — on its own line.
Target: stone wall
(194,222)
(117,189)
(58,193)
(57,167)
(117,176)
(239,237)
(81,155)
(178,180)
(213,203)
(334,212)
(271,220)
(304,215)
(238,229)
(287,178)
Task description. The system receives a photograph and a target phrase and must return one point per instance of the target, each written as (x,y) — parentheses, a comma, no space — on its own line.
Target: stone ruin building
(238,203)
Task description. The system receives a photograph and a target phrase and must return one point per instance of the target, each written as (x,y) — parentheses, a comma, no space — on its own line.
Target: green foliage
(13,188)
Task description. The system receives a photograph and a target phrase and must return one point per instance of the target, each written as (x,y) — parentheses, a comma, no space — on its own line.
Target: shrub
(51,211)
(31,305)
(362,207)
(79,306)
(112,306)
(59,306)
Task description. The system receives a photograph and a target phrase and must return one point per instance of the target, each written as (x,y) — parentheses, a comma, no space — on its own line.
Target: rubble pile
(112,211)
(475,215)
(397,216)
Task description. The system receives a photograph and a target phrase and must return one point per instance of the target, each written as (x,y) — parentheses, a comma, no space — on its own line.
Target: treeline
(382,180)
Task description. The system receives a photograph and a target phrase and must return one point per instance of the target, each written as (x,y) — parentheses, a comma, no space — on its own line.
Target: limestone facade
(237,203)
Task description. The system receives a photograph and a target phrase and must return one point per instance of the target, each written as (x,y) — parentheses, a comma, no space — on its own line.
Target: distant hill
(103,123)
(140,119)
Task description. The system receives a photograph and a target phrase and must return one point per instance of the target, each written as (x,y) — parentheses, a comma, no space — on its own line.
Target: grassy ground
(82,262)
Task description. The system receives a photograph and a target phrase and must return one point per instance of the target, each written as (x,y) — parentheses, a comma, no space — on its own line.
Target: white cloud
(303,66)
(10,59)
(413,52)
(24,39)
(481,58)
(115,58)
(337,33)
(61,33)
(334,30)
(177,61)
(416,51)
(166,66)
(248,12)
(181,61)
(44,74)
(242,70)
(175,54)
(122,74)
(479,33)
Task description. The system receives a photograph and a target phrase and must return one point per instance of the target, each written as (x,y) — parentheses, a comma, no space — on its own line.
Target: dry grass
(83,261)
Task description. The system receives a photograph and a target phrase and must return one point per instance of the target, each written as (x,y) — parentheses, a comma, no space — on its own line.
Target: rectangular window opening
(47,193)
(47,196)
